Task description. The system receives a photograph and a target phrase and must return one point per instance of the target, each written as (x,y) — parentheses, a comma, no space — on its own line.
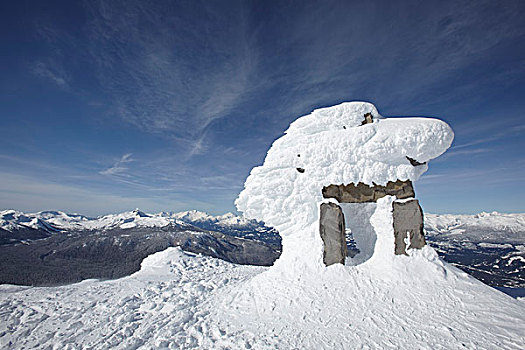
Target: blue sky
(167,105)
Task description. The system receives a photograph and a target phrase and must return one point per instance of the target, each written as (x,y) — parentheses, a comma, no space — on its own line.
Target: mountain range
(52,247)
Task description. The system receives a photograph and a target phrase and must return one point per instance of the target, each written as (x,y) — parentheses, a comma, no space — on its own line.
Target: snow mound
(422,303)
(331,146)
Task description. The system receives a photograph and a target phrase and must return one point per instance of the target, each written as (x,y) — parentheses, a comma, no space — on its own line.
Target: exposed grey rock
(414,162)
(362,193)
(408,219)
(368,119)
(332,229)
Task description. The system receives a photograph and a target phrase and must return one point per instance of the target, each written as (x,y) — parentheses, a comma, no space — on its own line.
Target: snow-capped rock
(389,300)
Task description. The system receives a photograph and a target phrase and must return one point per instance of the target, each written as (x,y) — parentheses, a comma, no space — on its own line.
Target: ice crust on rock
(332,147)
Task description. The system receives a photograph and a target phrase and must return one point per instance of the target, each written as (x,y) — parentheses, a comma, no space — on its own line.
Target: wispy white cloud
(463,153)
(401,59)
(487,131)
(54,73)
(166,74)
(199,145)
(479,177)
(119,167)
(53,66)
(32,194)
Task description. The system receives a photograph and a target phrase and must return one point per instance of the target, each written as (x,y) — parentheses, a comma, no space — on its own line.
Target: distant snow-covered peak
(196,217)
(192,215)
(59,221)
(234,220)
(128,219)
(488,221)
(12,219)
(139,213)
(53,221)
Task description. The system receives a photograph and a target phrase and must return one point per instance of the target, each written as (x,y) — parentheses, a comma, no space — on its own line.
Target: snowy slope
(165,304)
(489,246)
(479,226)
(181,301)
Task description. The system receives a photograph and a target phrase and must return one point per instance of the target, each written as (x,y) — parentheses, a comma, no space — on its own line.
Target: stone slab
(363,193)
(332,230)
(408,220)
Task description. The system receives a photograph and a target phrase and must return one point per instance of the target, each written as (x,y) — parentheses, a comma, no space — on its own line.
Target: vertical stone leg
(408,218)
(332,230)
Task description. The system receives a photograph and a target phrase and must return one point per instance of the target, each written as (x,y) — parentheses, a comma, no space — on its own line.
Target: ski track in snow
(181,301)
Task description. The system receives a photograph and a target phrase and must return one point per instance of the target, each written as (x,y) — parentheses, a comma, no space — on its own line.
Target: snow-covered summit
(57,221)
(12,219)
(228,219)
(489,221)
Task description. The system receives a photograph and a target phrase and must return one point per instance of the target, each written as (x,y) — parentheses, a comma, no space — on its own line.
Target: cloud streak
(165,74)
(55,74)
(119,167)
(31,194)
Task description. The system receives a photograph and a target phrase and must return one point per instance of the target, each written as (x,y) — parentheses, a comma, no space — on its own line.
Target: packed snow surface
(181,301)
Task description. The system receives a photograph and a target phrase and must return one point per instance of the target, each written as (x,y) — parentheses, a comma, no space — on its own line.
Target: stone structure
(406,212)
(368,119)
(334,155)
(408,225)
(332,229)
(362,193)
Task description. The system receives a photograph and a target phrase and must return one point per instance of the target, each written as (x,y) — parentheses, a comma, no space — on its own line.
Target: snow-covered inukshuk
(337,176)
